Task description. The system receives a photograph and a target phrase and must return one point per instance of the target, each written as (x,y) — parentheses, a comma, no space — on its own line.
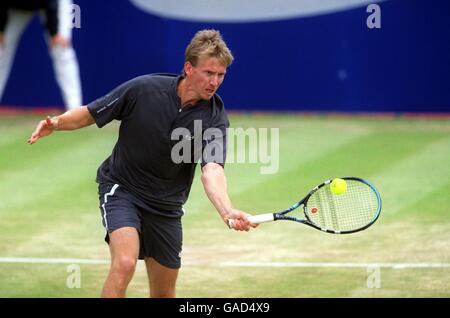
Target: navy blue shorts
(161,237)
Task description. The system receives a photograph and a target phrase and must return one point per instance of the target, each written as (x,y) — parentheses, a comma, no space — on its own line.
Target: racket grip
(256,219)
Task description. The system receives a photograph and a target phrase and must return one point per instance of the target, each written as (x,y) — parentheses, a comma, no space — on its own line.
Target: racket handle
(256,219)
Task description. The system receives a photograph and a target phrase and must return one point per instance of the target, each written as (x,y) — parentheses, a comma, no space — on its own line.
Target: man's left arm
(215,185)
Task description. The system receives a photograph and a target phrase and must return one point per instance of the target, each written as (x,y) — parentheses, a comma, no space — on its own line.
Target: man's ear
(188,68)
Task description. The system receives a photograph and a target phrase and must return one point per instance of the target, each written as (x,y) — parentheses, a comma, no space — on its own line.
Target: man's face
(206,77)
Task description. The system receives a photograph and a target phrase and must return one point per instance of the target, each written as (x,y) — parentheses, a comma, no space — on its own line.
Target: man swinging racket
(141,188)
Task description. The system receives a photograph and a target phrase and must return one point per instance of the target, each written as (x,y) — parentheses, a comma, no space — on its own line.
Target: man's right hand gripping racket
(354,210)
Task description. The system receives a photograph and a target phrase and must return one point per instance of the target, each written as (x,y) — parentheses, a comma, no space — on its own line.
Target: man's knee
(124,265)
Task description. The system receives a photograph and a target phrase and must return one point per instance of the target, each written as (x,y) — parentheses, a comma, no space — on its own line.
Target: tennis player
(141,188)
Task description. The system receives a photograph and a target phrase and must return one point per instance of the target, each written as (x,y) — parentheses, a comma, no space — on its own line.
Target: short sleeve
(215,141)
(118,104)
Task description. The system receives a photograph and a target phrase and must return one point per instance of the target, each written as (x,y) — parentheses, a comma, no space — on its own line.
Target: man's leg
(162,279)
(124,248)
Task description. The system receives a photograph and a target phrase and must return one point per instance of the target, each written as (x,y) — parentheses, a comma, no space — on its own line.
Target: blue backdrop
(327,62)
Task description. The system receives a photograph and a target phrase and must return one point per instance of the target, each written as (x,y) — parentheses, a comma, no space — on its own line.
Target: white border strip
(25,260)
(245,11)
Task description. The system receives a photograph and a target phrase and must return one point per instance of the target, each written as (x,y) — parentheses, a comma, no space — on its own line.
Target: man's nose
(214,80)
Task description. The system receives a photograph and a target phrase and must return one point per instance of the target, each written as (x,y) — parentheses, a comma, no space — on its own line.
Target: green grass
(49,209)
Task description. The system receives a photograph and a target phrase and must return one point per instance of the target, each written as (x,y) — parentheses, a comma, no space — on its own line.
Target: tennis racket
(355,210)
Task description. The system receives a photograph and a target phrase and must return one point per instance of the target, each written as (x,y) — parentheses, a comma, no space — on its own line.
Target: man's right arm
(118,104)
(75,118)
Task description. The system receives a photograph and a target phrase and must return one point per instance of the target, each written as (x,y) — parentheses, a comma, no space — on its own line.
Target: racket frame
(281,215)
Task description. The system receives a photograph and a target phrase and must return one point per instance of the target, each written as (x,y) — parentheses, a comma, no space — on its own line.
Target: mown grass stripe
(365,157)
(414,177)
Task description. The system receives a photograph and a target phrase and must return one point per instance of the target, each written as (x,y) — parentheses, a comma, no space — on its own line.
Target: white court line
(25,260)
(335,265)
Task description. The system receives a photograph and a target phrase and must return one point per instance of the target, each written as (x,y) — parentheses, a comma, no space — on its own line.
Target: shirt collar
(201,103)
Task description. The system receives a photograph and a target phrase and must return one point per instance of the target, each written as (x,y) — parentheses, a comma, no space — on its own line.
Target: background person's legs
(17,21)
(65,61)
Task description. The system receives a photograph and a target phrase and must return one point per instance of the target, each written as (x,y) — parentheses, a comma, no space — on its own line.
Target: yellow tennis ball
(338,186)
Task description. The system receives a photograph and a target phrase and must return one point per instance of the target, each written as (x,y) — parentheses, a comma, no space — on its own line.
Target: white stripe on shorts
(111,193)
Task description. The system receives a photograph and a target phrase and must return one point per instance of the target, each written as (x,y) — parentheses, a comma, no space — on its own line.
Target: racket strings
(334,219)
(354,209)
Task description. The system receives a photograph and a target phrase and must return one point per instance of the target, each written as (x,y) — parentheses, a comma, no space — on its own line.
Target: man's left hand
(240,220)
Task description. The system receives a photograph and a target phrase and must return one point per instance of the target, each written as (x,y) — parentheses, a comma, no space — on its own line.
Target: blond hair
(208,43)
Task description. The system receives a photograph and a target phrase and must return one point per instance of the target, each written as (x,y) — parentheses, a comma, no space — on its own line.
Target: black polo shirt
(149,109)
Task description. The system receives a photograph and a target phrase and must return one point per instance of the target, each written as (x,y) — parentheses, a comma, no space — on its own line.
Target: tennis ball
(338,186)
